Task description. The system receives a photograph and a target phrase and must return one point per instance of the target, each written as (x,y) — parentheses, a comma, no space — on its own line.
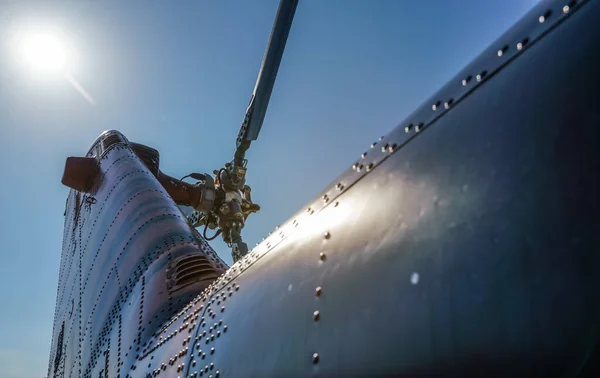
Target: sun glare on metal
(44,52)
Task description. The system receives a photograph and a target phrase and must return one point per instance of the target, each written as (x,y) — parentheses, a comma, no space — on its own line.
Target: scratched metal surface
(463,243)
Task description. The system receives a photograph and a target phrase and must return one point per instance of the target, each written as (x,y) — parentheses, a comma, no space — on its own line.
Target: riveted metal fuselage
(463,243)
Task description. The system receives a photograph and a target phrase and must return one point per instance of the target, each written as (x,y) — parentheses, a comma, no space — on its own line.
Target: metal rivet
(384,147)
(318,291)
(448,103)
(408,128)
(212,350)
(373,144)
(502,50)
(566,9)
(225,328)
(544,17)
(363,155)
(466,80)
(521,44)
(369,167)
(481,75)
(419,127)
(392,148)
(316,315)
(435,106)
(327,235)
(315,358)
(322,255)
(336,204)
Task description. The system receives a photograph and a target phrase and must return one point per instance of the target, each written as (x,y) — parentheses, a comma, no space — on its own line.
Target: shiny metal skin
(464,243)
(122,243)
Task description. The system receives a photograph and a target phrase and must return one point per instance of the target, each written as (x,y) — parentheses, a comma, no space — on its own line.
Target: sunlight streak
(79,88)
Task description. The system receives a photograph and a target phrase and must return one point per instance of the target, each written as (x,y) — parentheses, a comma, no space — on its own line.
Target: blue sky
(178,78)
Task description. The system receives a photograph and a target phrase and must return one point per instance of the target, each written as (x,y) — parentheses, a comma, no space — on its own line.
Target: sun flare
(43,52)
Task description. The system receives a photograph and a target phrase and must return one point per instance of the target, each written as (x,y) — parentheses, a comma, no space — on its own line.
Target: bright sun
(43,52)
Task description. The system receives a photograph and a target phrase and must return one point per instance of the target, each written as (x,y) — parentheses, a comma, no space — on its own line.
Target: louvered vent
(188,270)
(110,140)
